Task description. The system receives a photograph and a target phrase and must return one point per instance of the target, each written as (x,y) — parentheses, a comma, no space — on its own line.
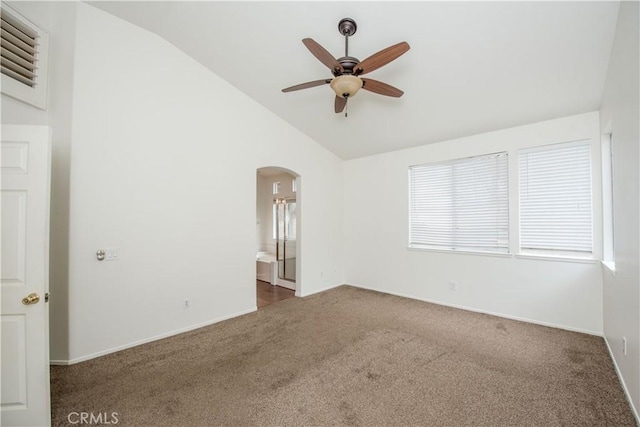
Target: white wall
(560,293)
(59,20)
(164,159)
(619,116)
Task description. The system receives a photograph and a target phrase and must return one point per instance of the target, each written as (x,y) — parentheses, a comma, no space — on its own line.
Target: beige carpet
(353,357)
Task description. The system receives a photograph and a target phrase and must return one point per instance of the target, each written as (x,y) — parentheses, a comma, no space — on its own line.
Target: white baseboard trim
(317,291)
(492,313)
(150,339)
(624,385)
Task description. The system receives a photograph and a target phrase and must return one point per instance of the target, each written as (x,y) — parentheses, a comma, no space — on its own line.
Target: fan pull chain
(346,109)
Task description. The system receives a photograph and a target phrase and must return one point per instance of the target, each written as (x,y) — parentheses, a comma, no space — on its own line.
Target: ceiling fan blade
(339,104)
(381,58)
(322,54)
(381,88)
(307,85)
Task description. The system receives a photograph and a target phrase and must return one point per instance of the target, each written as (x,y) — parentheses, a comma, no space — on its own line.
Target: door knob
(31,299)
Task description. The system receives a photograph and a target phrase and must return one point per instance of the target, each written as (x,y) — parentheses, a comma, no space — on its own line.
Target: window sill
(557,258)
(447,251)
(611,266)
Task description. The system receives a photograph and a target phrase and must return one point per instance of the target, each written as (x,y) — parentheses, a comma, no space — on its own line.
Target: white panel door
(24,208)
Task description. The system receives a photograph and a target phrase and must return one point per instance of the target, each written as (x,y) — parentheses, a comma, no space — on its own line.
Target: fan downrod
(347,28)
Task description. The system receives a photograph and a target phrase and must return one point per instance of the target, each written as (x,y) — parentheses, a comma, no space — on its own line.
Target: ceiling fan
(347,69)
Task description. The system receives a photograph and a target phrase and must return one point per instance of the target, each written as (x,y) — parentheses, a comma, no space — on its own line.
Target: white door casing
(24,209)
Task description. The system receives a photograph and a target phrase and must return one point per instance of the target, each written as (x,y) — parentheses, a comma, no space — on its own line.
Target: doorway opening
(277,235)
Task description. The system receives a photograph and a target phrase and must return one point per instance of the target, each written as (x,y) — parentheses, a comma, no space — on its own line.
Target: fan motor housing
(348,64)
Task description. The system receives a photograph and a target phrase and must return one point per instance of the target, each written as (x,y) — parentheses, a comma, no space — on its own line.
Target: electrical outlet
(187,303)
(453,286)
(624,346)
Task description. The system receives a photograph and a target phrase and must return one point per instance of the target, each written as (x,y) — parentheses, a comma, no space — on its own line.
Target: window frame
(608,225)
(501,251)
(551,254)
(512,148)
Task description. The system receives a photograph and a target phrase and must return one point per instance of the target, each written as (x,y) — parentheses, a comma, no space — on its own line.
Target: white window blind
(460,205)
(555,199)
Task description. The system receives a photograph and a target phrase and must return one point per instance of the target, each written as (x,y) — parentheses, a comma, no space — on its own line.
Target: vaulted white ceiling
(473,66)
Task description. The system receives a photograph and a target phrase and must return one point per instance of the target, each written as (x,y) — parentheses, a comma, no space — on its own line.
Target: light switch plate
(112,254)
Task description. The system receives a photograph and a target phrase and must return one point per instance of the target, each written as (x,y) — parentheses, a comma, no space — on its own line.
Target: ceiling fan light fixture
(346,86)
(348,69)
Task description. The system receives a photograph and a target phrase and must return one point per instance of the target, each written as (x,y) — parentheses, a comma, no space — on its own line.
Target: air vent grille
(19,50)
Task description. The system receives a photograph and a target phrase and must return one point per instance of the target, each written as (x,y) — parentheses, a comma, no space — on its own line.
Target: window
(284,219)
(24,52)
(460,205)
(607,198)
(274,218)
(555,200)
(276,187)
